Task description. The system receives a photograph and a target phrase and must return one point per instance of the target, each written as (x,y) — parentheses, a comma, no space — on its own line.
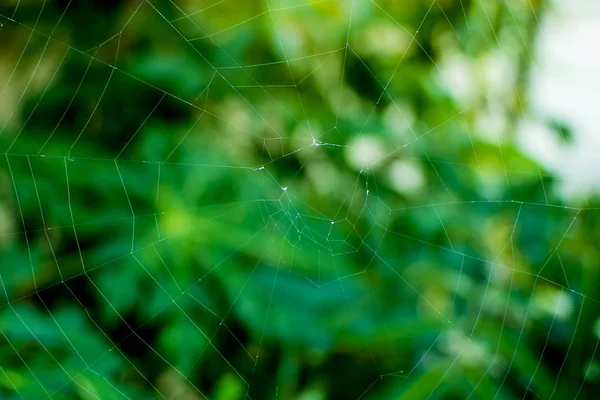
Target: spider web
(283,202)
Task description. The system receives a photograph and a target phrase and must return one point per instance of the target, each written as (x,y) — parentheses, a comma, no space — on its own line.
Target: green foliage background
(166,215)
